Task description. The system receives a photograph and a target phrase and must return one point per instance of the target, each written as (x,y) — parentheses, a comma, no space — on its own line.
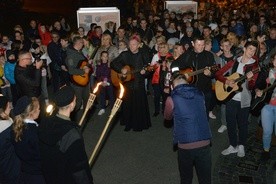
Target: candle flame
(122,90)
(49,108)
(97,87)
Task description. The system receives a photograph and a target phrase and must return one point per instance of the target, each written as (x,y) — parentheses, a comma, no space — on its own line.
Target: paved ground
(147,157)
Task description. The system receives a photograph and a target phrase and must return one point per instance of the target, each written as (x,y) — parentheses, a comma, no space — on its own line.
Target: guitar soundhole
(122,78)
(228,89)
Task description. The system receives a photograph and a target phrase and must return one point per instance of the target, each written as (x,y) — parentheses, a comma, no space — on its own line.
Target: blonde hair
(105,35)
(232,37)
(18,125)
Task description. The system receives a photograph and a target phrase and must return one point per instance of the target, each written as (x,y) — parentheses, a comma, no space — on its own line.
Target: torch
(90,102)
(114,110)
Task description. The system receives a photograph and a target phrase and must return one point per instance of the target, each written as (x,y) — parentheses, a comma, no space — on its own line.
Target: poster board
(100,16)
(182,6)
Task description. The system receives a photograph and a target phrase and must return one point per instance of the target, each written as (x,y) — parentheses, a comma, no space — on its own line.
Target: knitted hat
(172,41)
(9,53)
(64,96)
(21,104)
(3,102)
(213,26)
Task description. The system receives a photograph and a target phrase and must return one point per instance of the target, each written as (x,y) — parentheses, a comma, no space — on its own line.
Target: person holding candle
(63,155)
(135,109)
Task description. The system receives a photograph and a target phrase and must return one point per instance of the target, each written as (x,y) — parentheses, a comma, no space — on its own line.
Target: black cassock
(135,108)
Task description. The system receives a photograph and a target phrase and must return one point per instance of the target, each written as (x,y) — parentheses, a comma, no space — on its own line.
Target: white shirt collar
(30,121)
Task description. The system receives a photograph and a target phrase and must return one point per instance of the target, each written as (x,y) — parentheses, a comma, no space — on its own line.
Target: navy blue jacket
(190,119)
(9,162)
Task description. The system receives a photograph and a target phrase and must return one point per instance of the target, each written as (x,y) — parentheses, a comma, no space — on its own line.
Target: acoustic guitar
(259,102)
(81,80)
(224,91)
(117,78)
(191,74)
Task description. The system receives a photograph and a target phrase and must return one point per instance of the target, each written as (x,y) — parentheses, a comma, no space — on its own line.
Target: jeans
(82,96)
(208,101)
(235,115)
(268,116)
(223,114)
(158,93)
(106,93)
(198,157)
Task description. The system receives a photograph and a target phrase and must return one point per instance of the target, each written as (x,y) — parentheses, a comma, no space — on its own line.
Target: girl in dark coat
(26,139)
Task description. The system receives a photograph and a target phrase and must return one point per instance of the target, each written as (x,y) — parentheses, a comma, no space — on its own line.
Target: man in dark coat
(63,155)
(28,75)
(135,108)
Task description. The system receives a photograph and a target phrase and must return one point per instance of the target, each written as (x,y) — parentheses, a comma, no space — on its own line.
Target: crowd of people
(178,58)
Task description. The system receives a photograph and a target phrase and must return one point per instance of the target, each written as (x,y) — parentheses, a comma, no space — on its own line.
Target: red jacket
(46,37)
(234,64)
(156,74)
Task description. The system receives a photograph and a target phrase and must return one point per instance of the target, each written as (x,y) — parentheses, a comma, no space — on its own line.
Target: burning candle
(90,102)
(115,108)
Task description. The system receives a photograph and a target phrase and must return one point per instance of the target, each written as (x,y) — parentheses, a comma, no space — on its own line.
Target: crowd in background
(163,38)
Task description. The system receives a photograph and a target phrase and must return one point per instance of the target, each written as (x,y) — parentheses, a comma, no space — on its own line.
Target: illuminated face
(63,43)
(272,34)
(143,24)
(57,25)
(121,33)
(250,51)
(226,46)
(106,40)
(25,59)
(33,24)
(198,46)
(134,46)
(104,57)
(206,32)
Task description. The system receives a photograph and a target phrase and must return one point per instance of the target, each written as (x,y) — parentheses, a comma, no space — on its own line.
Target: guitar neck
(269,87)
(242,78)
(196,72)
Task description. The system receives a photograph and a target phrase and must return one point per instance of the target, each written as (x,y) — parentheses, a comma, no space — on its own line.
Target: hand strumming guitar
(124,72)
(230,83)
(249,75)
(207,72)
(86,69)
(143,71)
(259,92)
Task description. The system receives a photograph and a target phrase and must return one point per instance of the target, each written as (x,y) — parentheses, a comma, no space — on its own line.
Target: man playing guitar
(74,57)
(237,108)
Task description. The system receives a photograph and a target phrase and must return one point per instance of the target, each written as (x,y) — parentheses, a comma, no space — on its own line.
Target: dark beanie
(3,102)
(9,53)
(21,104)
(64,96)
